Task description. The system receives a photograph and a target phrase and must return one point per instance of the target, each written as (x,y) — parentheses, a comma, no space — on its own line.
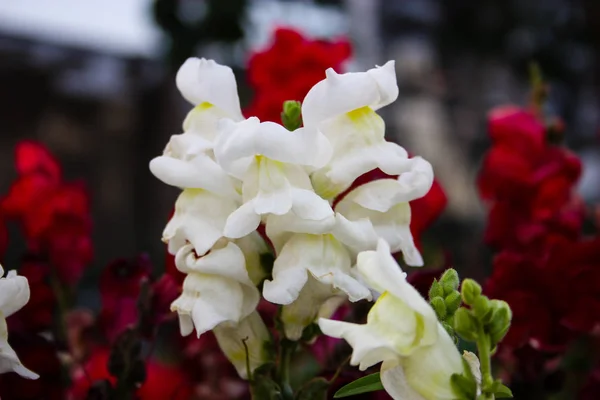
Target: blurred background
(94,81)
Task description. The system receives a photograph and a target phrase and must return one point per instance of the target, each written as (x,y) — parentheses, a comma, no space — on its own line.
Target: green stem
(485,359)
(288,347)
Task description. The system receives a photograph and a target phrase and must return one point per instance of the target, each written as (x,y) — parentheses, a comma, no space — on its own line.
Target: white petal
(274,190)
(252,332)
(200,172)
(308,205)
(203,121)
(199,218)
(428,370)
(395,384)
(280,228)
(9,361)
(186,146)
(475,367)
(380,270)
(368,348)
(14,293)
(241,222)
(359,235)
(385,76)
(338,94)
(286,286)
(201,80)
(381,195)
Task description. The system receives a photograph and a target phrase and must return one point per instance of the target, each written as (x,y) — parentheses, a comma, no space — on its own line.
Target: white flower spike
(402,331)
(14,294)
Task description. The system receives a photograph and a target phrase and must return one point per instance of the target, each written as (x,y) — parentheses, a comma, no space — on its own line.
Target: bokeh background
(94,81)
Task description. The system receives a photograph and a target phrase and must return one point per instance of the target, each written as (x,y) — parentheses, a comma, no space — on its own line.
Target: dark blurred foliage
(189,23)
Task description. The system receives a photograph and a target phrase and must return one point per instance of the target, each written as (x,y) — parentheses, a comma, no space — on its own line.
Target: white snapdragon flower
(342,107)
(217,289)
(402,331)
(188,160)
(269,160)
(14,294)
(309,270)
(245,342)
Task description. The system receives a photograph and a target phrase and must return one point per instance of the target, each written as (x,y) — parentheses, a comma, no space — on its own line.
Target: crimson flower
(54,215)
(288,69)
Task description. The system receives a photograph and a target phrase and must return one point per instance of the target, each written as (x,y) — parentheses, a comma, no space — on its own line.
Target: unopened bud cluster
(445,299)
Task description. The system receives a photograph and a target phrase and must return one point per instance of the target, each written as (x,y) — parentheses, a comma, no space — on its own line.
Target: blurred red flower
(54,215)
(288,69)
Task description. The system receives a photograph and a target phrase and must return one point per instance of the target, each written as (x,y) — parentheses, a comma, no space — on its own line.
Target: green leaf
(315,389)
(366,384)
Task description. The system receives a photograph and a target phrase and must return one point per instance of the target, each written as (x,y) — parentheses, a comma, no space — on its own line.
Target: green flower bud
(436,290)
(465,325)
(437,303)
(482,308)
(453,301)
(448,288)
(500,323)
(291,116)
(451,278)
(470,291)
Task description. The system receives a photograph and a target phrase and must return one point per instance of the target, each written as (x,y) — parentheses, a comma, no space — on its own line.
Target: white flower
(402,331)
(269,160)
(342,107)
(309,270)
(216,290)
(14,294)
(252,332)
(199,218)
(384,205)
(188,161)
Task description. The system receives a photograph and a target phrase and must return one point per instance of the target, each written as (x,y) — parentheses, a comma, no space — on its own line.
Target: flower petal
(395,384)
(14,293)
(191,221)
(201,80)
(241,222)
(200,173)
(9,361)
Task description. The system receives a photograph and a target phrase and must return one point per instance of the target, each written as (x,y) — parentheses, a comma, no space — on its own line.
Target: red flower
(54,215)
(165,382)
(39,355)
(288,69)
(528,182)
(95,369)
(120,286)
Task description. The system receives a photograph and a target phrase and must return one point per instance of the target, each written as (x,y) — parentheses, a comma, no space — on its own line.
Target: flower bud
(482,308)
(436,290)
(465,325)
(453,301)
(440,307)
(291,114)
(470,291)
(500,322)
(450,277)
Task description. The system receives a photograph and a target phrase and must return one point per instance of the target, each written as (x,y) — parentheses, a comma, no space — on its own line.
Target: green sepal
(499,390)
(453,302)
(463,386)
(465,325)
(438,305)
(436,290)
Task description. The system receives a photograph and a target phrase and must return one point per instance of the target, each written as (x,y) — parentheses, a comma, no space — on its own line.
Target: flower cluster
(288,69)
(535,224)
(252,187)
